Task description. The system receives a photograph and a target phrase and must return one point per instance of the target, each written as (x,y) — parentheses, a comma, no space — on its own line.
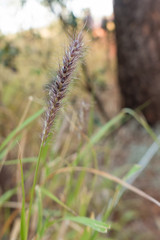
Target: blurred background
(120,69)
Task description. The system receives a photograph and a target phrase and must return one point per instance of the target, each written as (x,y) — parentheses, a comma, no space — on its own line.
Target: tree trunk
(138,47)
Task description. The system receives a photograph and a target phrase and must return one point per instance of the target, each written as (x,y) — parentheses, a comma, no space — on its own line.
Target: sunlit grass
(76,194)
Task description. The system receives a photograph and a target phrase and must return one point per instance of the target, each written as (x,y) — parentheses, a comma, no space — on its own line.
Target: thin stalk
(23,213)
(57,90)
(33,187)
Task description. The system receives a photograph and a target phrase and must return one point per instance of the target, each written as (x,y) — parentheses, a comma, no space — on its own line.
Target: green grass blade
(92,223)
(47,223)
(55,199)
(129,175)
(23,231)
(33,187)
(145,160)
(7,195)
(119,191)
(104,130)
(16,161)
(135,171)
(144,123)
(8,148)
(112,124)
(86,235)
(23,222)
(42,154)
(40,211)
(19,128)
(132,171)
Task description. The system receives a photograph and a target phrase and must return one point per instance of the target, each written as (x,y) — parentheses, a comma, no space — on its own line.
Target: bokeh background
(120,69)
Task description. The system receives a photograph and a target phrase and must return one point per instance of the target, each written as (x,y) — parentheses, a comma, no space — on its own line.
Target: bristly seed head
(57,88)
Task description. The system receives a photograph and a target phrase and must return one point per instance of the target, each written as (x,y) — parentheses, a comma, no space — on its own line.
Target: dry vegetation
(21,96)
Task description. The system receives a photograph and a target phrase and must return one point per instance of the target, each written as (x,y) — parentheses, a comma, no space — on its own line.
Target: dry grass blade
(8,223)
(20,122)
(110,177)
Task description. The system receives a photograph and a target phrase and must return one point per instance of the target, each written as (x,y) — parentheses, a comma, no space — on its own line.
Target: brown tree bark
(138,48)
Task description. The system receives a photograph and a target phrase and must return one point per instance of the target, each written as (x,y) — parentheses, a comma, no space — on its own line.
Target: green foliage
(23,211)
(19,128)
(92,223)
(7,195)
(93,202)
(8,53)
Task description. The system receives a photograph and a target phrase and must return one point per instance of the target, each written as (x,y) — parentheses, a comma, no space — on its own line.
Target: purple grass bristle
(58,88)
